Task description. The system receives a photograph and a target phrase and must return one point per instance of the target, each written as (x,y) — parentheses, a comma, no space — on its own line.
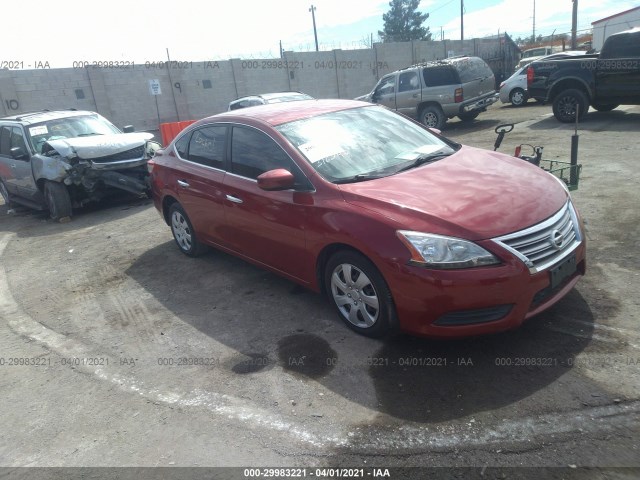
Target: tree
(403,22)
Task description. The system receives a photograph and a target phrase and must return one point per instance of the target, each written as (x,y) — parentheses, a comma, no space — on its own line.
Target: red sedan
(402,228)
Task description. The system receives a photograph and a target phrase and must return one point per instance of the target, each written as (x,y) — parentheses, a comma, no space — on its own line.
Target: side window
(408,81)
(5,141)
(182,145)
(253,153)
(387,85)
(207,146)
(440,76)
(17,139)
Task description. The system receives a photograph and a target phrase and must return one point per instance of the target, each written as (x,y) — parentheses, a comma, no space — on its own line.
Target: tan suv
(433,92)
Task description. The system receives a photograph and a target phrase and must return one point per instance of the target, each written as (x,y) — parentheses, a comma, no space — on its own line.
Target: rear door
(618,70)
(198,177)
(409,93)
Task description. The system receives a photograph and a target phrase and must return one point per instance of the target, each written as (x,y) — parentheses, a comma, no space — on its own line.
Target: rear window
(439,76)
(471,69)
(622,46)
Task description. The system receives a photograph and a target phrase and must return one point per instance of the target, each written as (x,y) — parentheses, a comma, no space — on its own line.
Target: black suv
(58,160)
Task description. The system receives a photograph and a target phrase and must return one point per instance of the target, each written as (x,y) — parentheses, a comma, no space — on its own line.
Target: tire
(604,108)
(518,97)
(469,117)
(433,117)
(58,201)
(564,105)
(183,232)
(359,294)
(4,193)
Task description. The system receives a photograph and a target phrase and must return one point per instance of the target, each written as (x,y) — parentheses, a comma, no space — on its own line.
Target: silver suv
(433,92)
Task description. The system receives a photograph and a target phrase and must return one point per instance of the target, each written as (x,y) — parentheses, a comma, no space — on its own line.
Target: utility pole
(313,16)
(461,20)
(533,37)
(574,24)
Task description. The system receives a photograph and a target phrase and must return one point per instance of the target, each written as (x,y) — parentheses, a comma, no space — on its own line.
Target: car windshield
(363,143)
(69,127)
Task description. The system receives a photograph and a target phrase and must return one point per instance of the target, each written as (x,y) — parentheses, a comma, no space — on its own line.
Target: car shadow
(265,317)
(594,121)
(22,220)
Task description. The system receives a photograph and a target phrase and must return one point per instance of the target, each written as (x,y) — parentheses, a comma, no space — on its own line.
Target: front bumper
(459,303)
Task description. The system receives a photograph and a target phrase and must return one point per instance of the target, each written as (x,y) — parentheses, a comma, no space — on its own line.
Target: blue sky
(142,30)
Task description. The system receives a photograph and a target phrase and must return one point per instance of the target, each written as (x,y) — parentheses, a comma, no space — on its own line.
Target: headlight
(437,251)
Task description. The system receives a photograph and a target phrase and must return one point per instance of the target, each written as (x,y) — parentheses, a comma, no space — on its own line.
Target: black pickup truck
(603,81)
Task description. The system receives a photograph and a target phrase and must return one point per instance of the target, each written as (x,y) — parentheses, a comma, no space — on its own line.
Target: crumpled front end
(92,166)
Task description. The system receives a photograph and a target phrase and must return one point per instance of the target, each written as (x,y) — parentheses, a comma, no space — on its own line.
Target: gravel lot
(140,356)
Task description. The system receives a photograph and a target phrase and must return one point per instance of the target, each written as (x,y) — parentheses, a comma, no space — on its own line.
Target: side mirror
(19,153)
(128,129)
(278,179)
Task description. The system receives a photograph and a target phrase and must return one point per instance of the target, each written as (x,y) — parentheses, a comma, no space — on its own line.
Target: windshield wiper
(361,177)
(422,159)
(90,133)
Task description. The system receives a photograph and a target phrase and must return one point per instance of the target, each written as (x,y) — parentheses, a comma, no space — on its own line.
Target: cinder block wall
(193,90)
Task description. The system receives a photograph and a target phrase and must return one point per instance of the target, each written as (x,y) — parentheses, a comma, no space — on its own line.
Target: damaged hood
(97,146)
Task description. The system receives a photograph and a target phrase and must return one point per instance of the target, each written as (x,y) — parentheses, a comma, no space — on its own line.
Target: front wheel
(58,201)
(359,294)
(432,117)
(567,102)
(183,232)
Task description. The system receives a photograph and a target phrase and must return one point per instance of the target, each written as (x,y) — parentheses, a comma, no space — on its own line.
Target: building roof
(616,15)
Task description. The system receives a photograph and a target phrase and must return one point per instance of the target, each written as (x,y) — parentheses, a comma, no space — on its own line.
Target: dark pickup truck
(603,81)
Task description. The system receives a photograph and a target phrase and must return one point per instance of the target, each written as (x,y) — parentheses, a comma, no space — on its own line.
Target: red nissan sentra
(399,226)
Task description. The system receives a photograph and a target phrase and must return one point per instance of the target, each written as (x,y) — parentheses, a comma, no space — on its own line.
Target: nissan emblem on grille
(556,239)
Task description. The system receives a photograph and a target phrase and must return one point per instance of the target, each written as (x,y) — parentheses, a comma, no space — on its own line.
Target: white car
(514,89)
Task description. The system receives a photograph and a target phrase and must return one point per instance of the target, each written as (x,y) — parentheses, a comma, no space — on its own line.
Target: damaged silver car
(60,160)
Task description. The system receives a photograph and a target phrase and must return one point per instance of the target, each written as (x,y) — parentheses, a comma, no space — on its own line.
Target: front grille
(133,154)
(472,317)
(544,244)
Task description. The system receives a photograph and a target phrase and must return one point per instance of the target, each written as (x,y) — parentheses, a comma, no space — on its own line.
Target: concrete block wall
(193,90)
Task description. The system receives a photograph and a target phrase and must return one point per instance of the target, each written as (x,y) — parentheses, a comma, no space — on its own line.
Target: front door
(267,227)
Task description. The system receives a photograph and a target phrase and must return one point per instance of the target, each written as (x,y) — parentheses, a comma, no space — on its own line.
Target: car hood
(474,194)
(96,146)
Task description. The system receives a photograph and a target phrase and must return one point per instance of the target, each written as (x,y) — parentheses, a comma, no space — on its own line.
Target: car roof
(29,118)
(278,113)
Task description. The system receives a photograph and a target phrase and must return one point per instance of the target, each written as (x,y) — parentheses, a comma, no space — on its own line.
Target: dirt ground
(139,356)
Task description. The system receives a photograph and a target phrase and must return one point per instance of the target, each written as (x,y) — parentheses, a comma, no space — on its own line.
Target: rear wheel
(433,117)
(183,232)
(359,294)
(605,108)
(566,103)
(518,97)
(58,201)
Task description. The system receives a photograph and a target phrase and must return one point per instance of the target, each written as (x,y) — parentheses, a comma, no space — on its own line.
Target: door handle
(13,165)
(183,184)
(233,199)
(415,95)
